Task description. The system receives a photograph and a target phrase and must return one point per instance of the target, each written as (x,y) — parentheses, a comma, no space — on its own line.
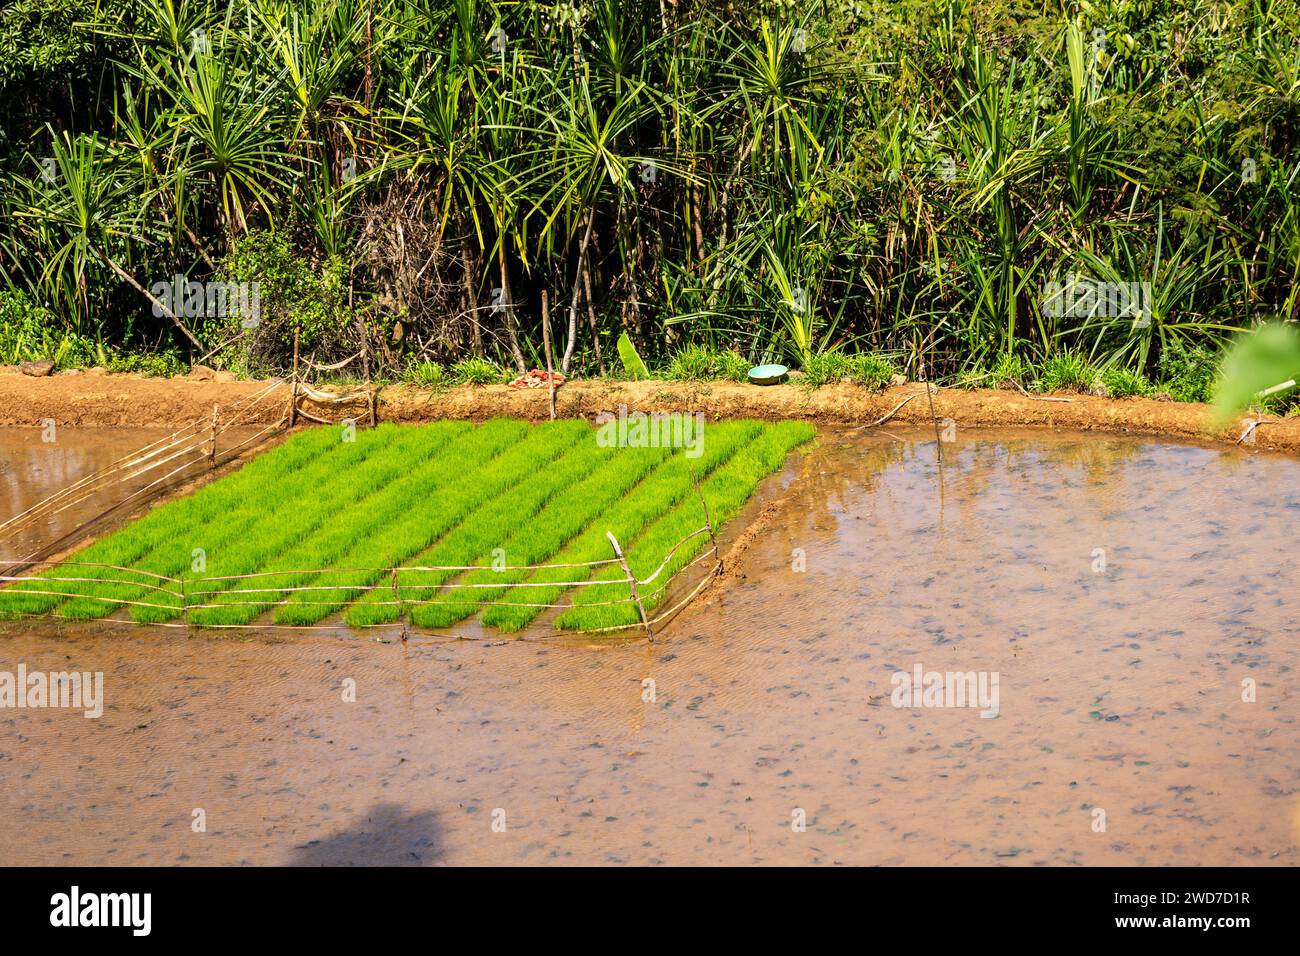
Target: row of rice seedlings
(412,521)
(476,541)
(310,538)
(499,501)
(197,543)
(563,518)
(726,491)
(661,489)
(299,566)
(126,547)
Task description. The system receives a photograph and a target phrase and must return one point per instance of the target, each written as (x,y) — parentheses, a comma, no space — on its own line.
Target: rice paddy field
(429,524)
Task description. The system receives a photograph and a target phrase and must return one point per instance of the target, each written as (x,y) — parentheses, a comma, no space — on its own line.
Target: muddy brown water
(36,462)
(1120,690)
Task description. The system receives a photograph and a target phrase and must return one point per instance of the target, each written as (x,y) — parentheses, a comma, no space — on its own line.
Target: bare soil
(96,399)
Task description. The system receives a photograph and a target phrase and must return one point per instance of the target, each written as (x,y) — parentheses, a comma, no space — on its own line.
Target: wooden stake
(938,442)
(293,394)
(401,614)
(212,452)
(546,346)
(631,583)
(708,523)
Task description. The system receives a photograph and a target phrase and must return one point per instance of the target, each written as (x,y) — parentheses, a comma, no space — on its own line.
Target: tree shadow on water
(386,836)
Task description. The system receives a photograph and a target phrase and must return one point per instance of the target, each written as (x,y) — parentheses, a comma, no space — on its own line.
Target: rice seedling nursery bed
(316,527)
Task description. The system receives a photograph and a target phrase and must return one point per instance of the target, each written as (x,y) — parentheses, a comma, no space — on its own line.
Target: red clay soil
(110,400)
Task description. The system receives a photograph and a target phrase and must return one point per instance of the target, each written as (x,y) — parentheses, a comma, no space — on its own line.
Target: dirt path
(92,399)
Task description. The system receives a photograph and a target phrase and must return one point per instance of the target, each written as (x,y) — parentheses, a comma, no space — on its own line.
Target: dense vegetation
(758,180)
(501,497)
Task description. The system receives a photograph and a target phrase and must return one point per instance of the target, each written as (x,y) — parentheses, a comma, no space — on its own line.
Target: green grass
(727,490)
(478,507)
(698,363)
(320,521)
(865,368)
(1066,372)
(671,482)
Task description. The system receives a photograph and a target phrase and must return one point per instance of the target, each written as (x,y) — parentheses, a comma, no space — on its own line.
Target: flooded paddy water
(1127,592)
(35,462)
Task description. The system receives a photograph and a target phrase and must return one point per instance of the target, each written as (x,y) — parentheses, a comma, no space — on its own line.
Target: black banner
(968,907)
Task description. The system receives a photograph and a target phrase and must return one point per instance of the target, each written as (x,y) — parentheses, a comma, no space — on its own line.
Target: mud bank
(101,400)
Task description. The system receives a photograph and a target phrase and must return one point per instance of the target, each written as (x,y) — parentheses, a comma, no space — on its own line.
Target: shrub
(733,366)
(699,363)
(154,364)
(425,373)
(1010,368)
(866,368)
(293,297)
(872,370)
(477,371)
(1066,372)
(1124,383)
(826,367)
(1188,373)
(27,334)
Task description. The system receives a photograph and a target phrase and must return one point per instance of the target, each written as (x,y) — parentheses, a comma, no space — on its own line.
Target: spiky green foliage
(776,179)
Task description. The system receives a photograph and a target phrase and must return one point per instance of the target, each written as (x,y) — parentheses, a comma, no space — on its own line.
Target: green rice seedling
(563,518)
(131,544)
(332,524)
(481,504)
(488,506)
(517,528)
(726,492)
(230,544)
(666,485)
(449,446)
(476,539)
